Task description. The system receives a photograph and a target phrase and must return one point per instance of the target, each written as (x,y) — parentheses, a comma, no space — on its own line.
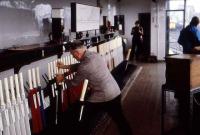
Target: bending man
(105,94)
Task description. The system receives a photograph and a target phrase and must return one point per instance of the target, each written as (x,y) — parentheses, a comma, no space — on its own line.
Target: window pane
(192,9)
(175,4)
(175,24)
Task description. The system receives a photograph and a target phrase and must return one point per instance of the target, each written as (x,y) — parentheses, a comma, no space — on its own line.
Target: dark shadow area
(121,73)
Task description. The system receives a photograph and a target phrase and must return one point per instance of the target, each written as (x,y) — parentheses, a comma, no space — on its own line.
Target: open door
(145,21)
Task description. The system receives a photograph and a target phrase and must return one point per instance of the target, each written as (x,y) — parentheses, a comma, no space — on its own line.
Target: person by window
(190,36)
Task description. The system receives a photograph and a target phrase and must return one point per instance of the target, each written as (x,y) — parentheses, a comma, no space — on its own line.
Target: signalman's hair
(76,44)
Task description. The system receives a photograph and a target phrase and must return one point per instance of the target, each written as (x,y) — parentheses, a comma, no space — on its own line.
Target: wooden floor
(142,104)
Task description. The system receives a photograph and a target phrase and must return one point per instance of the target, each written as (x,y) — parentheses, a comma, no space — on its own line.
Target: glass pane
(175,4)
(192,9)
(175,24)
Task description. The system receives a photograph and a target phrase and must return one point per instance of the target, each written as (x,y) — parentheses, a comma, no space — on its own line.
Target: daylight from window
(175,15)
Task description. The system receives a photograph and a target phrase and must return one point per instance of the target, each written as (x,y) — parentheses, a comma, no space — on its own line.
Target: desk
(183,72)
(183,76)
(196,50)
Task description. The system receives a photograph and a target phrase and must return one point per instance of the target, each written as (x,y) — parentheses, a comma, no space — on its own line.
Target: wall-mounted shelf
(16,57)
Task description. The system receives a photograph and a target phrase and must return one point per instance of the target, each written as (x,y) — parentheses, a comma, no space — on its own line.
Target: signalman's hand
(60,64)
(60,78)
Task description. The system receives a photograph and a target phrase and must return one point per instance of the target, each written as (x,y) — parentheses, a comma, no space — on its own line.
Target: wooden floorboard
(142,104)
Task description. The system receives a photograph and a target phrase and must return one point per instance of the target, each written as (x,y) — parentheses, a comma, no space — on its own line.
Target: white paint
(16,26)
(110,8)
(158,29)
(57,13)
(43,11)
(16,4)
(67,22)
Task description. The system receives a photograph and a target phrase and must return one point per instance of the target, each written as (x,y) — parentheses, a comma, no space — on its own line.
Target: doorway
(145,21)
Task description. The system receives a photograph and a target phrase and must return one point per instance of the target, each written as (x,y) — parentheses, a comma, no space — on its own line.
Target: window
(175,22)
(175,4)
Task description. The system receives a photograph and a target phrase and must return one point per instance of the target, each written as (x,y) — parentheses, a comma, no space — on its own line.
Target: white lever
(12,90)
(7,91)
(38,76)
(34,78)
(17,87)
(2,103)
(30,80)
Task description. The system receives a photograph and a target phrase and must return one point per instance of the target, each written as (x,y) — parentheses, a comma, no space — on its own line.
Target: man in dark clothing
(190,36)
(137,40)
(105,94)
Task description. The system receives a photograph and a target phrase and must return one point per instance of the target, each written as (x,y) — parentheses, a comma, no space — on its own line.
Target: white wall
(110,9)
(17,25)
(158,29)
(131,9)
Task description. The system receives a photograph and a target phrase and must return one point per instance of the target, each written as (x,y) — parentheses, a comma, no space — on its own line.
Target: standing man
(104,93)
(137,40)
(190,36)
